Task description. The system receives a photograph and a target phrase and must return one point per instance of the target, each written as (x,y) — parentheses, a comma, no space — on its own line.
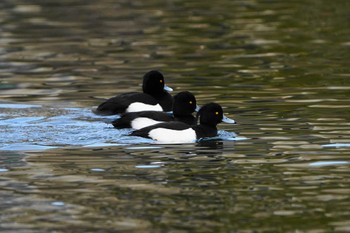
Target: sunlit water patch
(31,127)
(337,145)
(327,163)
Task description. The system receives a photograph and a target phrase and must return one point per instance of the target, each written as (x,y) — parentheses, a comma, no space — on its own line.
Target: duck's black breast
(126,119)
(204,131)
(120,103)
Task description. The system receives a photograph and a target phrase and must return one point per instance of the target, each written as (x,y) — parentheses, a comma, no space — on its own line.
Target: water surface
(280,69)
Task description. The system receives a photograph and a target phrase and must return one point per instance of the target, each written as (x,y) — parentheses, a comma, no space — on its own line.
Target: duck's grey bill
(167,88)
(197,108)
(228,120)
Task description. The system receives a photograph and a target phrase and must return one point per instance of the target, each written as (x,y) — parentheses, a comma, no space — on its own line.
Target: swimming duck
(178,132)
(183,107)
(154,98)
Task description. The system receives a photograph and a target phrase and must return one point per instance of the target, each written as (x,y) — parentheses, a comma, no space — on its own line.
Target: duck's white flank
(138,107)
(173,136)
(142,122)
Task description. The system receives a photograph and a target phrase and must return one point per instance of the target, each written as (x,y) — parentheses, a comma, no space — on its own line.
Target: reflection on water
(177,187)
(281,69)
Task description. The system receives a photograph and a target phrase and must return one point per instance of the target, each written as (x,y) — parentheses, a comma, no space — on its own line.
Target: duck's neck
(157,95)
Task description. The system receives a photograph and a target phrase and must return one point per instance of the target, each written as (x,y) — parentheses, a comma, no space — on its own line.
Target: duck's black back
(120,103)
(125,120)
(174,125)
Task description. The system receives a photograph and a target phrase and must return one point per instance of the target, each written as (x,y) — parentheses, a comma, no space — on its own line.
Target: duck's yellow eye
(160,81)
(216,113)
(190,102)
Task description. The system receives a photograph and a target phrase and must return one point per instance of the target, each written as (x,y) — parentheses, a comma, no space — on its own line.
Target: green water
(280,69)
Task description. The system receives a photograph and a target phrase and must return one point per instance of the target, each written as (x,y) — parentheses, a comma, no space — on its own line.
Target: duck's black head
(184,104)
(210,114)
(153,83)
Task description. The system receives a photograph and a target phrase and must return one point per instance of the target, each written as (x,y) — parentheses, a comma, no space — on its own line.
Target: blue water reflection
(39,128)
(327,163)
(337,145)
